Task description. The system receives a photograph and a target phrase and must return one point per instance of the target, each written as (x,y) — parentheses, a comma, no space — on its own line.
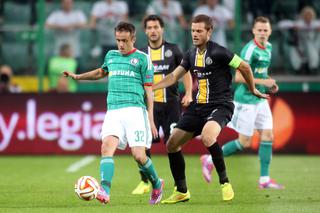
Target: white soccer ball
(87,188)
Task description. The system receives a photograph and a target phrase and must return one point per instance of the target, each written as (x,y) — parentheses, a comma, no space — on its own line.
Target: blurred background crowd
(41,38)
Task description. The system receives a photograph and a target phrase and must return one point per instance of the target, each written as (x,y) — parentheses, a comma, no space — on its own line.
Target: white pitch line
(81,163)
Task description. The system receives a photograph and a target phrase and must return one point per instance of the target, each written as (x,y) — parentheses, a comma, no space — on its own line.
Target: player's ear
(134,38)
(210,31)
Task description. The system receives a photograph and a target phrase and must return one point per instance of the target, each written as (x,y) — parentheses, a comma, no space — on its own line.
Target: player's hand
(186,100)
(269,82)
(259,94)
(274,89)
(70,74)
(154,130)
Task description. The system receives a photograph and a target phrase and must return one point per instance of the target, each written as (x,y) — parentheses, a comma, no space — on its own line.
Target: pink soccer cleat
(156,194)
(206,168)
(271,184)
(102,196)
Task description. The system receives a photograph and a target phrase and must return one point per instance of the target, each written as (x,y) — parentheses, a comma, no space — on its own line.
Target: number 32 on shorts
(139,136)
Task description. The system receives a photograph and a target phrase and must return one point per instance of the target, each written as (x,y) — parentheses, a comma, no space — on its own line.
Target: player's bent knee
(267,136)
(208,141)
(172,146)
(246,143)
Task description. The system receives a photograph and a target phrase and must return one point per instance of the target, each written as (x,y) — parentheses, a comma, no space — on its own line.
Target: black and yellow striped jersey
(213,72)
(165,59)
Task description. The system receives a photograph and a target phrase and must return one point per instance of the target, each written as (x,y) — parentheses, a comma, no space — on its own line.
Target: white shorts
(130,125)
(248,117)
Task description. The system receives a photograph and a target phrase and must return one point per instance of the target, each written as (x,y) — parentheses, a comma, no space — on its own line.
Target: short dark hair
(126,27)
(153,18)
(208,21)
(64,47)
(261,19)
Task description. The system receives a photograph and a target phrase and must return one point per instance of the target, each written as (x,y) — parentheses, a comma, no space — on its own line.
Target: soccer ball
(87,188)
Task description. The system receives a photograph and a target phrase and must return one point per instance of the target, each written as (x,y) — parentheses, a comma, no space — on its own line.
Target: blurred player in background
(252,112)
(129,116)
(167,110)
(212,109)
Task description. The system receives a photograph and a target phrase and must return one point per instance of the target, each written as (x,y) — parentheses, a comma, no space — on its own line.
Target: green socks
(106,173)
(265,154)
(149,170)
(231,148)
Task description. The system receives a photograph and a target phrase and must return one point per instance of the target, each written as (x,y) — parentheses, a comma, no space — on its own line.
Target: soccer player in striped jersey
(129,119)
(252,112)
(167,110)
(212,109)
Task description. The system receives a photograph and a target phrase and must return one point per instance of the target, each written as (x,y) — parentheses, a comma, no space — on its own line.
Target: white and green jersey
(127,76)
(259,59)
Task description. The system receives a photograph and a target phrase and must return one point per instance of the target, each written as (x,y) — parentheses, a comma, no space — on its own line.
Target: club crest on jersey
(134,61)
(208,61)
(168,53)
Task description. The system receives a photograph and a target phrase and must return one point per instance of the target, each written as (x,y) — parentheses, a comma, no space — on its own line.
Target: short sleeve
(247,53)
(223,55)
(52,18)
(147,71)
(96,10)
(178,55)
(81,17)
(185,63)
(104,66)
(177,8)
(122,7)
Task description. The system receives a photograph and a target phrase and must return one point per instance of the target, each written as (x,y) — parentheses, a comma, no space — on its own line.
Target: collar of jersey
(163,42)
(259,45)
(132,51)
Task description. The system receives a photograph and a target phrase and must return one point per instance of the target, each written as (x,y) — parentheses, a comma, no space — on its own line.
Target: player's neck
(202,48)
(156,44)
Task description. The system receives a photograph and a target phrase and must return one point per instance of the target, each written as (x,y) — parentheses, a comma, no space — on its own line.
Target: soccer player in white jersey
(129,119)
(252,112)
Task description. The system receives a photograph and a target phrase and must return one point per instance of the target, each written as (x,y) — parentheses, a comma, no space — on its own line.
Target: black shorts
(197,115)
(167,116)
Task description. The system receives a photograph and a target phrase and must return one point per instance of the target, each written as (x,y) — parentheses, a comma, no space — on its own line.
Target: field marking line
(81,163)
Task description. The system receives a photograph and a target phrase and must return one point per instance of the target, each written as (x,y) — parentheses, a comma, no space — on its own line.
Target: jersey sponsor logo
(208,61)
(160,68)
(168,53)
(200,74)
(134,61)
(121,72)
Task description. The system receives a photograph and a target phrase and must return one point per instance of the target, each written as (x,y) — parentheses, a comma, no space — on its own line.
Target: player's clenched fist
(70,74)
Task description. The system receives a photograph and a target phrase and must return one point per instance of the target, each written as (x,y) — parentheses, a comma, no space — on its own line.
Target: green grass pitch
(41,184)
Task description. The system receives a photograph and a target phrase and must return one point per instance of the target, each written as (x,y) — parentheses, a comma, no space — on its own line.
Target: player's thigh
(112,126)
(177,139)
(264,117)
(191,121)
(137,127)
(243,118)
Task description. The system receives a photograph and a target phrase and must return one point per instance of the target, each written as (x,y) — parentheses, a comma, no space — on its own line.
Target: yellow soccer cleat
(177,197)
(141,188)
(227,191)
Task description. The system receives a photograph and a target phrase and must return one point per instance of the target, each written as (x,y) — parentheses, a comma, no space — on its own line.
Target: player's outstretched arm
(91,75)
(246,72)
(170,79)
